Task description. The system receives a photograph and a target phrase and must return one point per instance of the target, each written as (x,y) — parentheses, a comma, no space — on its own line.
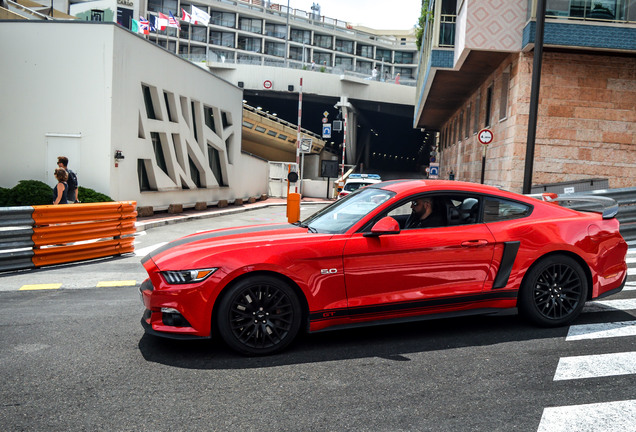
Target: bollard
(293,207)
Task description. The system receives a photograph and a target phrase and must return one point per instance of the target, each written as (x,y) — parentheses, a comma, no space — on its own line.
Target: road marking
(598,417)
(594,366)
(630,286)
(118,283)
(631,260)
(40,287)
(605,305)
(145,251)
(631,271)
(603,330)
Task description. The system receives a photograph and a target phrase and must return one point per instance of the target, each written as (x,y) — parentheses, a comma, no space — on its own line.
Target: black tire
(554,292)
(259,315)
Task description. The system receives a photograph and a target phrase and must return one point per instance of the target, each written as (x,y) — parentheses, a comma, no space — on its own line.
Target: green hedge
(35,192)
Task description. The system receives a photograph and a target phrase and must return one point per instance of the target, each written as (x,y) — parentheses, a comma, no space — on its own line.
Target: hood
(194,247)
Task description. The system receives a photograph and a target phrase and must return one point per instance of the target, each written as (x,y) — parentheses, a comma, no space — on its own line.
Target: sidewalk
(165,218)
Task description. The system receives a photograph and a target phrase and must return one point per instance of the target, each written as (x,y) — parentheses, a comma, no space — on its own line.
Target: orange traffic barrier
(293,207)
(77,232)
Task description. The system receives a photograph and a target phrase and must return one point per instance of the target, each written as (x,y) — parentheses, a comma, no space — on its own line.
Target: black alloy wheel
(259,315)
(554,291)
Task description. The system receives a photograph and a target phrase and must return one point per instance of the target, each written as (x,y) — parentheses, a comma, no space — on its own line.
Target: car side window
(448,210)
(497,209)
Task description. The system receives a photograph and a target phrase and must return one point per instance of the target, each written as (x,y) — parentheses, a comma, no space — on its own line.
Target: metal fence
(35,236)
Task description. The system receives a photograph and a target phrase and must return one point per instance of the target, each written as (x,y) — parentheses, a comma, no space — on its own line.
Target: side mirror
(386,225)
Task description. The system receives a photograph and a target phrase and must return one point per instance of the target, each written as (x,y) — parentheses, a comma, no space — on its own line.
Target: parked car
(356,262)
(356,181)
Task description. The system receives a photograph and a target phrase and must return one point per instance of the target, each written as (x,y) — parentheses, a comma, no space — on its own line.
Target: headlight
(180,277)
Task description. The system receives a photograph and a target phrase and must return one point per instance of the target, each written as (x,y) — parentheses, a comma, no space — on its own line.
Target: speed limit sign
(267,84)
(485,136)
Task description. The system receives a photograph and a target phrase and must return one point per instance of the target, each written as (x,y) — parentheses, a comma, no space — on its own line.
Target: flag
(172,22)
(199,16)
(144,25)
(135,26)
(160,22)
(185,16)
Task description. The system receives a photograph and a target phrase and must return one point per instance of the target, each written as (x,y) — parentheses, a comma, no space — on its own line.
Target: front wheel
(553,292)
(259,315)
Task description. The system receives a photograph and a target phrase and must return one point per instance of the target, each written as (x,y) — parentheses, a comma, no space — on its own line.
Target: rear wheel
(553,292)
(259,315)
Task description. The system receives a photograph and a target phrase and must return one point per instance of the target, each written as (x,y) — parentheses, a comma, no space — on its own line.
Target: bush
(86,195)
(4,195)
(29,192)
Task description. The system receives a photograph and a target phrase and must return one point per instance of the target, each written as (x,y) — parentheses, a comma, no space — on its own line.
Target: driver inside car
(424,214)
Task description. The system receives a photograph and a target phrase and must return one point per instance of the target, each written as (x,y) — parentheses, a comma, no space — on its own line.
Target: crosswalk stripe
(598,417)
(145,251)
(602,330)
(631,260)
(117,283)
(35,287)
(594,366)
(605,305)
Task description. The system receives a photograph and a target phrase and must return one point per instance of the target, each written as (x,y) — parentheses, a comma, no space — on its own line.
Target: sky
(377,14)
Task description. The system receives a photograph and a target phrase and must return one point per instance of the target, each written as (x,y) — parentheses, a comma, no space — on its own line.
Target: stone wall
(586,125)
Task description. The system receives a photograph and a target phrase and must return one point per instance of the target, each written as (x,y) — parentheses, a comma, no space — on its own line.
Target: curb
(169,220)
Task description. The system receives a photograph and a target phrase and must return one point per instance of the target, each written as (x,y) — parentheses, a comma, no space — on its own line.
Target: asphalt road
(76,358)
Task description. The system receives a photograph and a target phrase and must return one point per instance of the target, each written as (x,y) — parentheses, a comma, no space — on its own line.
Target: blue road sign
(433,170)
(326,130)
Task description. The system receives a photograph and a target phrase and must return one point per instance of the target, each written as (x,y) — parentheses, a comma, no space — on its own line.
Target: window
(198,33)
(214,161)
(159,155)
(364,51)
(251,25)
(363,67)
(142,175)
(276,30)
(488,106)
(163,6)
(300,36)
(344,46)
(323,41)
(249,44)
(383,55)
(476,122)
(405,72)
(344,62)
(467,131)
(296,53)
(403,57)
(225,19)
(503,102)
(150,109)
(447,210)
(275,48)
(222,39)
(322,59)
(497,209)
(460,129)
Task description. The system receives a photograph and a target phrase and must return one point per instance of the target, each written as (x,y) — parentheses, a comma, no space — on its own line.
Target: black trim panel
(507,260)
(359,312)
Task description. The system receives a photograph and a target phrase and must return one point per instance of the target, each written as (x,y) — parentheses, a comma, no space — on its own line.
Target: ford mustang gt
(362,260)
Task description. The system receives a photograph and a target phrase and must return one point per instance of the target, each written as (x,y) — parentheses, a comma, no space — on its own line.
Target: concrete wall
(76,89)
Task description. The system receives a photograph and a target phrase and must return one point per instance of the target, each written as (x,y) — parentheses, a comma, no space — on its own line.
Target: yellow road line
(40,287)
(116,283)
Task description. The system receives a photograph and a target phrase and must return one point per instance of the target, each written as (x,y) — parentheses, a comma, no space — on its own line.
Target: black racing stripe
(507,260)
(209,235)
(404,306)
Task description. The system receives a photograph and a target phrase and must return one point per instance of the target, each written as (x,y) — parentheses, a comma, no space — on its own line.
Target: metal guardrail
(35,236)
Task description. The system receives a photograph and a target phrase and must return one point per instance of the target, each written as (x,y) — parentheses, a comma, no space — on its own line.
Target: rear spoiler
(608,207)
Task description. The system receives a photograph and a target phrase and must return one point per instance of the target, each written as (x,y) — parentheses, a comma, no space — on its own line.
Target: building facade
(137,122)
(262,32)
(476,73)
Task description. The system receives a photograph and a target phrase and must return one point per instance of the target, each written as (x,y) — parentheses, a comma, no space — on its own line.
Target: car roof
(406,185)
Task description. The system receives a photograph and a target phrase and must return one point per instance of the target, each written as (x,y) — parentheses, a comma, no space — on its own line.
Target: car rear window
(498,209)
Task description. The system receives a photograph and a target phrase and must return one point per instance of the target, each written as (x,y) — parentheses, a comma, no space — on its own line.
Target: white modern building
(136,121)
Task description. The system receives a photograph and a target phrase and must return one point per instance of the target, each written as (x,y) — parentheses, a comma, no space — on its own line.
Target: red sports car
(390,252)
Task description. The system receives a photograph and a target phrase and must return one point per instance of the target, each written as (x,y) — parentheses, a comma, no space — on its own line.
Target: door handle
(474,243)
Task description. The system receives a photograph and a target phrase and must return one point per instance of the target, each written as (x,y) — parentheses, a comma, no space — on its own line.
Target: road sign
(485,136)
(337,126)
(433,170)
(267,84)
(305,145)
(326,130)
(326,113)
(324,120)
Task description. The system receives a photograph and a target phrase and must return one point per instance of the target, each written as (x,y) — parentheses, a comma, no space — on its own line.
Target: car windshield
(343,214)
